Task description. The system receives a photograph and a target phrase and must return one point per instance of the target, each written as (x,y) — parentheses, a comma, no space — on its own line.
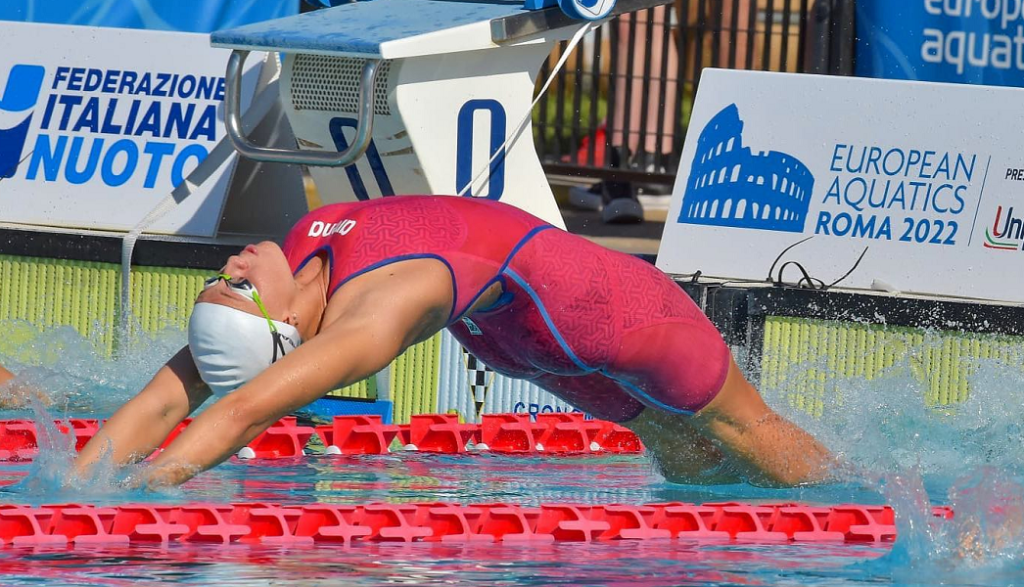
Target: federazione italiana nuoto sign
(97,125)
(929,178)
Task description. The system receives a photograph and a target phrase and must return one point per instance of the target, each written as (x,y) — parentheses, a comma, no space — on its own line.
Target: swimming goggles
(246,289)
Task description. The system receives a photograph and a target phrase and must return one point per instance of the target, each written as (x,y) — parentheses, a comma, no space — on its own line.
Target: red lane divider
(440,433)
(146,523)
(552,433)
(357,435)
(18,440)
(567,432)
(284,438)
(329,524)
(509,433)
(263,523)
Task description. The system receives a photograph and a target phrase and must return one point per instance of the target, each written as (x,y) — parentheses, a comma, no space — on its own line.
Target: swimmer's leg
(772,449)
(686,373)
(679,451)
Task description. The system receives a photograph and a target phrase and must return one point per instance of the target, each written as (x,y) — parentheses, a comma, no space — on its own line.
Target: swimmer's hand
(16,394)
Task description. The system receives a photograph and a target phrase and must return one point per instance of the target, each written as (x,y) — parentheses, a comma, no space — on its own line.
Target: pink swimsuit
(607,332)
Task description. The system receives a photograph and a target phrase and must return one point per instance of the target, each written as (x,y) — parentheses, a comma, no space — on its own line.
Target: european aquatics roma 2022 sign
(929,178)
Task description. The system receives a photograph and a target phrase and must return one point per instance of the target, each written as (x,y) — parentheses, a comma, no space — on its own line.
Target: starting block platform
(393,29)
(410,96)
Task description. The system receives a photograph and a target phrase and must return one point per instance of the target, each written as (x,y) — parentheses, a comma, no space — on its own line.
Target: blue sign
(731,186)
(464,166)
(23,85)
(967,41)
(195,16)
(380,175)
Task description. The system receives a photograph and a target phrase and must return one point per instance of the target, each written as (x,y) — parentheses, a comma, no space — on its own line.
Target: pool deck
(637,239)
(630,238)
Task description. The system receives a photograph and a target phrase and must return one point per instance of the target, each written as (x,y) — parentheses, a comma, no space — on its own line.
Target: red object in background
(596,140)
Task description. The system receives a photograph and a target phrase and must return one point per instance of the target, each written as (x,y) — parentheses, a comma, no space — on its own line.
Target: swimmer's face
(266,267)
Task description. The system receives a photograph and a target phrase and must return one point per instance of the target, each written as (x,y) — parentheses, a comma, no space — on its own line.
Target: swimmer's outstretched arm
(378,315)
(5,375)
(140,426)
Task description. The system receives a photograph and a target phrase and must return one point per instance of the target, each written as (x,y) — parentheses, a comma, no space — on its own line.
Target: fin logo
(731,186)
(20,95)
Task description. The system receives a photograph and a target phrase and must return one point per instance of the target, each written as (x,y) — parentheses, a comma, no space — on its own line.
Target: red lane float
(262,523)
(554,433)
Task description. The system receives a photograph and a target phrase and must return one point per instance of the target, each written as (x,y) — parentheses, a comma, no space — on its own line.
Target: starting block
(411,96)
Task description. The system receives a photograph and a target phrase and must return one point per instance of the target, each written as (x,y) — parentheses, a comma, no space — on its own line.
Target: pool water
(634,564)
(898,451)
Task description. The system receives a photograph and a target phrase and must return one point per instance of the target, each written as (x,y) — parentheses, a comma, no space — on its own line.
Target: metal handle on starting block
(246,148)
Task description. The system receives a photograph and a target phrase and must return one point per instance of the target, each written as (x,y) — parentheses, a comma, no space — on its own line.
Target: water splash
(982,545)
(76,375)
(967,455)
(61,374)
(885,424)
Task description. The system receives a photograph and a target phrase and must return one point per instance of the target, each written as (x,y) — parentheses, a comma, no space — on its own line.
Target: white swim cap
(230,347)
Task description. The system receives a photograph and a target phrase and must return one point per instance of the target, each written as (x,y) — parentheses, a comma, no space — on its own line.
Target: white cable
(576,38)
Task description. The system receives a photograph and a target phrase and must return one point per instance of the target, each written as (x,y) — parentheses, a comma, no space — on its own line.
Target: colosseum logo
(731,186)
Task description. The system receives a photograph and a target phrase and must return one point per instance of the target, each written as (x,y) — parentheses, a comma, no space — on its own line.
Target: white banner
(927,177)
(97,125)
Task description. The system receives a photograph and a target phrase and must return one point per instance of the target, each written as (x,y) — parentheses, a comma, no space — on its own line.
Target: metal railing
(620,106)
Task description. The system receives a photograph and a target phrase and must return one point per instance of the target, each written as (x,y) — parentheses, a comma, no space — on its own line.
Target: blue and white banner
(967,41)
(193,16)
(928,178)
(97,125)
